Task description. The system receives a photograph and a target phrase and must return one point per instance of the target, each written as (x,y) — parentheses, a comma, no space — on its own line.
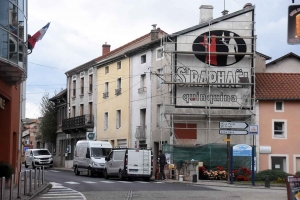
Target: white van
(129,163)
(38,157)
(89,156)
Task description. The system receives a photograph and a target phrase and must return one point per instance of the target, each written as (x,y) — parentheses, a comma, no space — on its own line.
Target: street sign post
(233,125)
(233,132)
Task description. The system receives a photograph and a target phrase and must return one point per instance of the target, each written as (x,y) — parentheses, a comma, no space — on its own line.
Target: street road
(69,186)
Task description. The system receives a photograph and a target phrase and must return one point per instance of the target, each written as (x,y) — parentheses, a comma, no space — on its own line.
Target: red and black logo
(225,41)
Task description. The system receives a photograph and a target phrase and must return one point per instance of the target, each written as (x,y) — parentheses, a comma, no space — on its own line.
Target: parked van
(38,157)
(89,156)
(129,163)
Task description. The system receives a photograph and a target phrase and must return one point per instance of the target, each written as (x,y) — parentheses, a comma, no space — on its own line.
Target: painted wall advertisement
(224,59)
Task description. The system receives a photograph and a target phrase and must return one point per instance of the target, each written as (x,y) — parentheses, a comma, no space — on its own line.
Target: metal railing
(140,133)
(105,95)
(78,122)
(118,91)
(142,89)
(28,182)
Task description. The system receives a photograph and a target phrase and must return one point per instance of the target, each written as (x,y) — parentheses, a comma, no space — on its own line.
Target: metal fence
(28,182)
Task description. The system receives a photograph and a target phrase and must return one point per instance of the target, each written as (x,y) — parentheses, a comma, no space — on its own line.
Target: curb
(48,185)
(231,185)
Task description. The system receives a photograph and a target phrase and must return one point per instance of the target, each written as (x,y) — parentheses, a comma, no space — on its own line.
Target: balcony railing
(140,133)
(83,121)
(118,91)
(142,89)
(105,95)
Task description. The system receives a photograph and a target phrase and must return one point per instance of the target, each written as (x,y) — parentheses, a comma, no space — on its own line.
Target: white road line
(51,170)
(140,182)
(158,182)
(124,182)
(71,182)
(75,194)
(107,181)
(61,197)
(89,182)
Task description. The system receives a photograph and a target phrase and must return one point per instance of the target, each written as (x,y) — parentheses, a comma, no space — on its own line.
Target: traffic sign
(233,125)
(233,132)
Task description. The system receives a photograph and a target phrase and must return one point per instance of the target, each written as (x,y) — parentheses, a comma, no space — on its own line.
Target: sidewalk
(215,183)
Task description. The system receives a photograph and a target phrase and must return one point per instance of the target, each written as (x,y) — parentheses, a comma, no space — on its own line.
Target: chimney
(247,5)
(206,13)
(224,12)
(105,49)
(154,33)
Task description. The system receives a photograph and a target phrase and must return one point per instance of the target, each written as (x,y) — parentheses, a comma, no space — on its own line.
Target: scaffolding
(218,100)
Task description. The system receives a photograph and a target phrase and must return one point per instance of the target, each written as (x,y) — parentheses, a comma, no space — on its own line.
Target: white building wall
(138,100)
(291,65)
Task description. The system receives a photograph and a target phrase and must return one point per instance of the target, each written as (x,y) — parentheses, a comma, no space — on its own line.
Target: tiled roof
(58,95)
(277,86)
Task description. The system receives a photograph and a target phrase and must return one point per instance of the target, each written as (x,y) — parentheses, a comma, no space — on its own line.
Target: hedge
(271,174)
(6,170)
(298,173)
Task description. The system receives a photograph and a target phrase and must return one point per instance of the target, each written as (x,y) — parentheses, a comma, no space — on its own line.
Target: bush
(271,174)
(6,170)
(298,173)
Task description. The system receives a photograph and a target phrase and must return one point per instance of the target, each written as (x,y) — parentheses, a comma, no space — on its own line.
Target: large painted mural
(222,57)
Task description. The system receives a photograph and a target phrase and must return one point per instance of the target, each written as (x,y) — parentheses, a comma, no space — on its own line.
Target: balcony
(105,95)
(79,122)
(118,91)
(11,72)
(142,89)
(140,133)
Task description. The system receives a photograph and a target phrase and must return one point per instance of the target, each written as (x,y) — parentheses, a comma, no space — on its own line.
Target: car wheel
(120,176)
(33,166)
(146,179)
(105,174)
(89,172)
(26,166)
(77,173)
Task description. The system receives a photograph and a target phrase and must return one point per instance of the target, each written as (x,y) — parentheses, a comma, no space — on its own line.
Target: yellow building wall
(114,102)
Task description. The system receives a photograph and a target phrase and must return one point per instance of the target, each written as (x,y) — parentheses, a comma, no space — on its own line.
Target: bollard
(19,186)
(11,186)
(43,175)
(39,180)
(25,182)
(267,183)
(35,175)
(30,181)
(194,178)
(2,187)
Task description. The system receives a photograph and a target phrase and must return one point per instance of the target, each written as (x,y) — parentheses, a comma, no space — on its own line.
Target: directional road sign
(233,132)
(233,125)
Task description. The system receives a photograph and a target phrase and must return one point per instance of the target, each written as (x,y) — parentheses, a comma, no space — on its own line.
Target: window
(143,80)
(74,111)
(91,108)
(106,121)
(91,83)
(159,115)
(143,59)
(82,85)
(106,70)
(159,53)
(74,88)
(278,106)
(105,94)
(81,109)
(279,129)
(119,86)
(119,65)
(279,162)
(159,78)
(106,86)
(119,155)
(118,120)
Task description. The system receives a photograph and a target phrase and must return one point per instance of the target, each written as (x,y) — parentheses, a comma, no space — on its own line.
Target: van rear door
(139,162)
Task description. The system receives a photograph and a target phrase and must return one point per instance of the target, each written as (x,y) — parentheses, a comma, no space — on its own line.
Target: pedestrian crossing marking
(107,181)
(124,182)
(140,182)
(71,182)
(89,182)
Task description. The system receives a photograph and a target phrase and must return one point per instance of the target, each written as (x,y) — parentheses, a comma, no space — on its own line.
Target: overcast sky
(79,28)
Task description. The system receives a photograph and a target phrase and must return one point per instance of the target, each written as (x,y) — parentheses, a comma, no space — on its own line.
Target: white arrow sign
(233,132)
(233,125)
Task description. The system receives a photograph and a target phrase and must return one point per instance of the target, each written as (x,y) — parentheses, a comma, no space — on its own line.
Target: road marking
(60,192)
(89,182)
(107,181)
(52,170)
(140,182)
(124,182)
(158,182)
(71,182)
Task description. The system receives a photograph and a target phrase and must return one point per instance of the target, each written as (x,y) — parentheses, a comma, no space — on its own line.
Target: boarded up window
(185,131)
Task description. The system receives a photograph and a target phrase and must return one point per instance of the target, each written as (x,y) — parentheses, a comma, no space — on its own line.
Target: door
(118,161)
(109,163)
(298,164)
(139,162)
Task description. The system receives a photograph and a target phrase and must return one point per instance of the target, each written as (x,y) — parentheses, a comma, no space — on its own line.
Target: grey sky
(79,28)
